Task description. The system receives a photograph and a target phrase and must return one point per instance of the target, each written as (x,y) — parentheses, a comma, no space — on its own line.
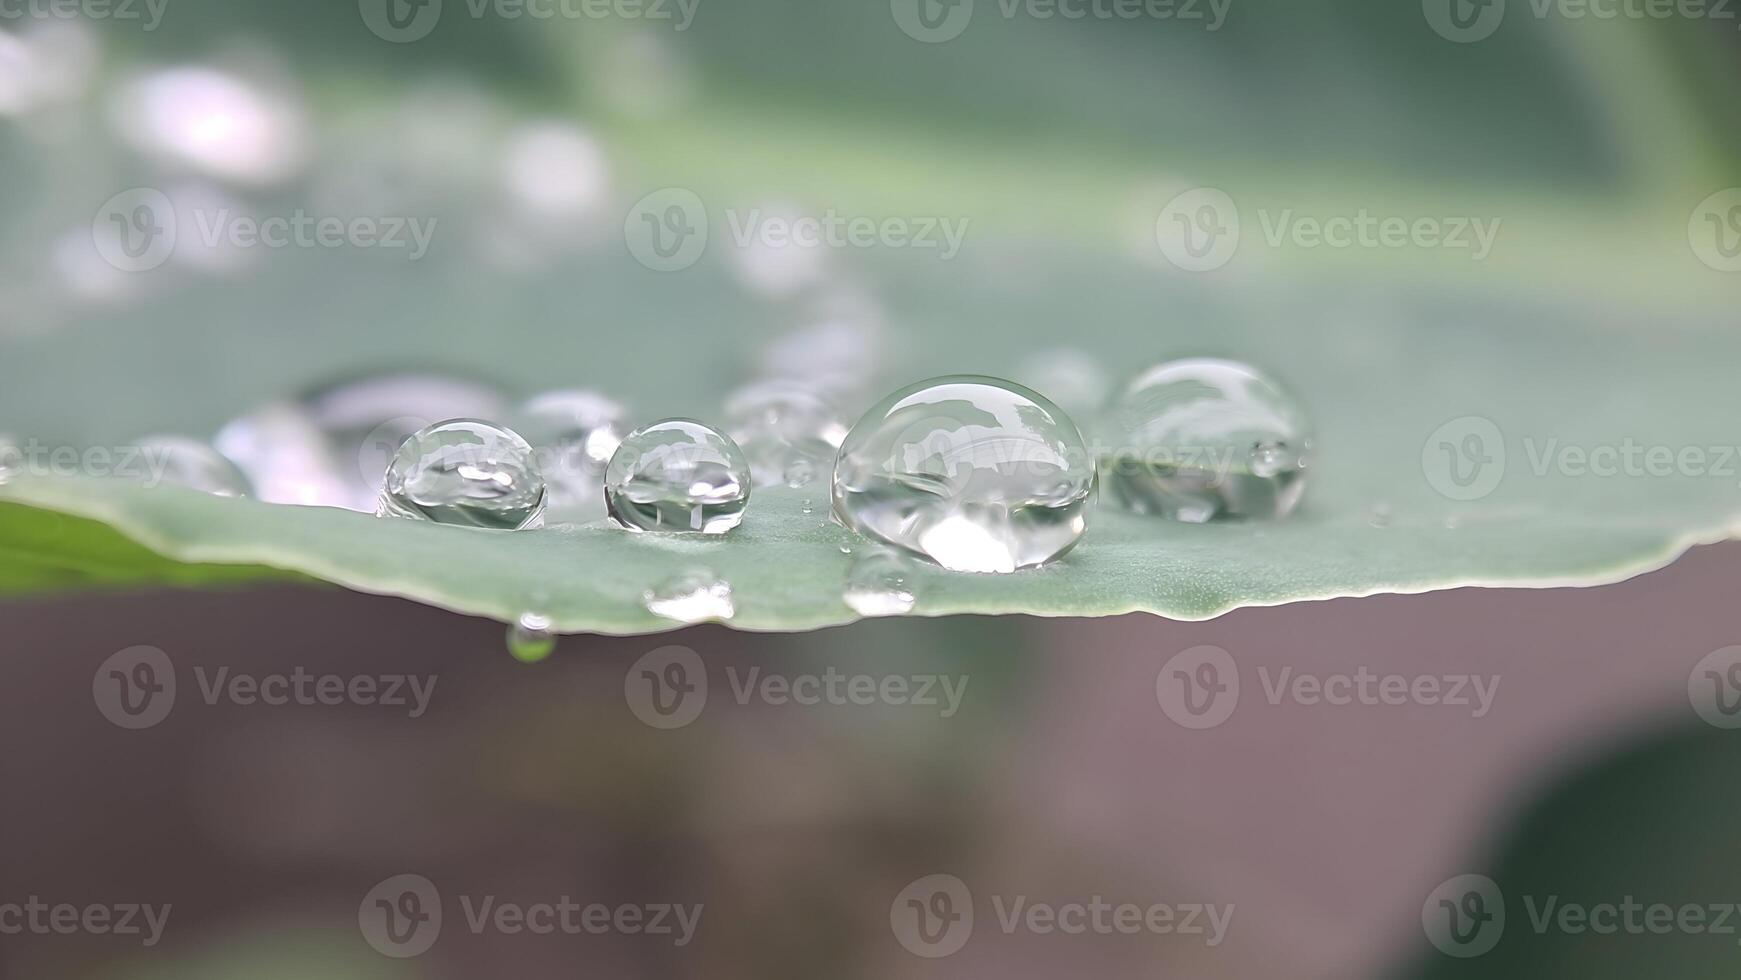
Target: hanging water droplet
(976,474)
(787,431)
(694,595)
(366,421)
(530,639)
(183,462)
(465,472)
(880,584)
(1205,438)
(1380,515)
(285,457)
(677,475)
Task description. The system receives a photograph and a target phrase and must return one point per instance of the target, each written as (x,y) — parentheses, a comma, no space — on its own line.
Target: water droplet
(804,507)
(787,431)
(1380,515)
(531,639)
(1452,522)
(1205,438)
(976,474)
(183,462)
(691,596)
(677,475)
(285,457)
(468,473)
(846,549)
(366,421)
(880,584)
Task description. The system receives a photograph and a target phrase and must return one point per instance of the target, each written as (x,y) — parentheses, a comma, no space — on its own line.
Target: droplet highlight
(530,638)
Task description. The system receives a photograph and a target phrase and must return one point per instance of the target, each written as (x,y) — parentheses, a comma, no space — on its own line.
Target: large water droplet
(880,584)
(530,639)
(677,475)
(693,595)
(787,430)
(976,474)
(1205,438)
(465,472)
(180,461)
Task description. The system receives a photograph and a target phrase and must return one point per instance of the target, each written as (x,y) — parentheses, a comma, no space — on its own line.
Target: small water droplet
(677,475)
(465,472)
(530,639)
(694,595)
(787,430)
(973,473)
(880,584)
(1452,522)
(1203,438)
(846,549)
(806,507)
(183,462)
(1380,515)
